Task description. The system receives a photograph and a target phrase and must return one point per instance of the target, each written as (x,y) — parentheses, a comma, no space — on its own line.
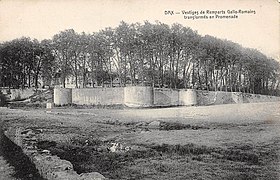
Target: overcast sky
(42,19)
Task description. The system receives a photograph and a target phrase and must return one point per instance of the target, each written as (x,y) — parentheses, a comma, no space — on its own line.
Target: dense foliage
(139,54)
(24,61)
(3,99)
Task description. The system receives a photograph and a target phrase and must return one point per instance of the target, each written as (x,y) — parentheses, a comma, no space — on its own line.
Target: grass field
(211,142)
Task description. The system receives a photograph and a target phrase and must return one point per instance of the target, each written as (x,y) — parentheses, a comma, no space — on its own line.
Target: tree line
(156,55)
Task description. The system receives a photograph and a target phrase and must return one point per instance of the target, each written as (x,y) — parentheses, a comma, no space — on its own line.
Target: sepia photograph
(139,90)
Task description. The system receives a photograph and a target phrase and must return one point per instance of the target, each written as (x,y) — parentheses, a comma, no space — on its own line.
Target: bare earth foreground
(240,141)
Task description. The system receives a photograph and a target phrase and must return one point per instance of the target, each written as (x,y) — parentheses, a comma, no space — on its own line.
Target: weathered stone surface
(141,124)
(49,105)
(154,124)
(92,176)
(62,175)
(45,151)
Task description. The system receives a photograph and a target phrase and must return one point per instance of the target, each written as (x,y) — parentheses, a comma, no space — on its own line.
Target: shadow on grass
(23,168)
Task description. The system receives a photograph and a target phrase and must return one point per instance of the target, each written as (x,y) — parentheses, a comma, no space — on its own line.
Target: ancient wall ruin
(138,96)
(143,96)
(221,97)
(166,97)
(187,97)
(18,94)
(95,96)
(62,96)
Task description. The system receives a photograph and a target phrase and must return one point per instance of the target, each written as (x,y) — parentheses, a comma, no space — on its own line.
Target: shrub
(3,99)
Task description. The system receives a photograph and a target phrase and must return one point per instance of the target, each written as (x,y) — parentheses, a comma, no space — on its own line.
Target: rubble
(50,167)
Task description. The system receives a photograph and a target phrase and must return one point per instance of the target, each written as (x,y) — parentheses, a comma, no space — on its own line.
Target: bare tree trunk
(193,80)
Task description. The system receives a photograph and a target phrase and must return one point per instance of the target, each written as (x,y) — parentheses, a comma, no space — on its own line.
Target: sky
(41,19)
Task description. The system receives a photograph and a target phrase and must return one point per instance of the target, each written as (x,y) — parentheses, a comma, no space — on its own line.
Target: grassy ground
(214,142)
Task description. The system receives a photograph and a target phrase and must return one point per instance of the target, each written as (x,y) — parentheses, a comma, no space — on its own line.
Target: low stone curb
(50,167)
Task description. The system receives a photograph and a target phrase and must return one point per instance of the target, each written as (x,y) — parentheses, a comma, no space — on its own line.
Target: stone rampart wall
(166,97)
(143,96)
(94,96)
(138,96)
(18,94)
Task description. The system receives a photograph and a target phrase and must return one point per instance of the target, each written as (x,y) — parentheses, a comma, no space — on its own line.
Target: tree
(157,55)
(64,51)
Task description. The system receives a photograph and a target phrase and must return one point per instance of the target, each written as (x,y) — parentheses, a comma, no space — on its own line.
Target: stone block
(62,175)
(92,176)
(49,105)
(154,124)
